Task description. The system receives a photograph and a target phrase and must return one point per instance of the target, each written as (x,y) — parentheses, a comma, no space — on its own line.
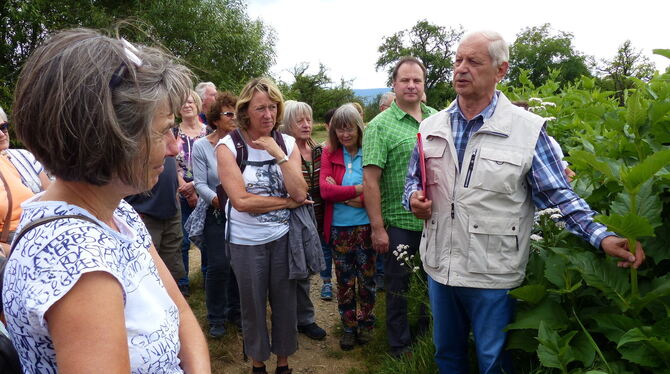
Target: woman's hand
(268,144)
(331,180)
(215,203)
(355,202)
(187,189)
(292,204)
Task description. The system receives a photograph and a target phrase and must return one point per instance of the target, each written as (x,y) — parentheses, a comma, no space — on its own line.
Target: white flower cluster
(404,257)
(541,105)
(536,238)
(554,214)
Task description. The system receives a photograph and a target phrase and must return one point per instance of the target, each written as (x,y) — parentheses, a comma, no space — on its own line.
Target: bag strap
(42,221)
(4,237)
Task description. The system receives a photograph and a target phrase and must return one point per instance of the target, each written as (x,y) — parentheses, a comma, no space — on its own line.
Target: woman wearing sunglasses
(221,294)
(22,176)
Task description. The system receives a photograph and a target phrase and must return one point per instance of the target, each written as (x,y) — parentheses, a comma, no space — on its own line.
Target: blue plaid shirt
(546,178)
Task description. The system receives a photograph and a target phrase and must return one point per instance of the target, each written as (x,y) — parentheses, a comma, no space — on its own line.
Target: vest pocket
(427,248)
(494,247)
(497,170)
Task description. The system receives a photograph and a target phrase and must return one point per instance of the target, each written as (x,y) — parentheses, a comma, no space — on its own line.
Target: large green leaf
(662,52)
(658,110)
(646,203)
(657,348)
(588,160)
(532,293)
(554,350)
(636,113)
(555,269)
(601,274)
(646,169)
(613,326)
(630,226)
(582,349)
(548,311)
(660,289)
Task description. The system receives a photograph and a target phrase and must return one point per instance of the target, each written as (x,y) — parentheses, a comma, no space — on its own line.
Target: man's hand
(421,206)
(380,240)
(618,247)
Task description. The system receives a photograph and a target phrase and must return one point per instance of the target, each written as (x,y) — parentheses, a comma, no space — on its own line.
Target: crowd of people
(101,210)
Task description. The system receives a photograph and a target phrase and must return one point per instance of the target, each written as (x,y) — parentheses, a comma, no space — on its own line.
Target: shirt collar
(399,113)
(485,114)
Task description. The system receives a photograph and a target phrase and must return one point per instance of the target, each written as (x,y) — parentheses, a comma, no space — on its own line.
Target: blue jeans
(221,293)
(455,309)
(186,211)
(327,249)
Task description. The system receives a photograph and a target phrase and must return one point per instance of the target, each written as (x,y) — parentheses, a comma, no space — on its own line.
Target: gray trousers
(167,236)
(305,306)
(262,272)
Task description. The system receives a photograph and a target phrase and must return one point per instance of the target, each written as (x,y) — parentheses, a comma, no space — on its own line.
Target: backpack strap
(42,221)
(279,139)
(242,154)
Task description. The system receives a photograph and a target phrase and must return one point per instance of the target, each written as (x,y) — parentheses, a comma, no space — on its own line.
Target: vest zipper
(469,173)
(452,210)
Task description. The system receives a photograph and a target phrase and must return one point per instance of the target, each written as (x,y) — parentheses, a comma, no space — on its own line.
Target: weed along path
(312,357)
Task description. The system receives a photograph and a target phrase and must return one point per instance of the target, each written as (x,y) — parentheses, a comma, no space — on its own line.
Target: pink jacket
(332,165)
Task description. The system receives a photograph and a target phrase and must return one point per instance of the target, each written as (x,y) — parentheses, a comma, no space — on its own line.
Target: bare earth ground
(312,357)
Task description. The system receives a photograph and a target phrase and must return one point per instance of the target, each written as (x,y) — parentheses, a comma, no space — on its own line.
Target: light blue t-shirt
(345,215)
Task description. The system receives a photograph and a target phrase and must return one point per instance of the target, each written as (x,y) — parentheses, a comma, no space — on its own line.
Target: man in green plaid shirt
(387,146)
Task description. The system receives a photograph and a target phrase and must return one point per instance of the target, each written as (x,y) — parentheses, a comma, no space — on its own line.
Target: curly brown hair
(223,99)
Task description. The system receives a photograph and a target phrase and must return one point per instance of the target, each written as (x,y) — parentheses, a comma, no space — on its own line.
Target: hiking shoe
(364,336)
(313,331)
(327,291)
(347,340)
(217,331)
(401,352)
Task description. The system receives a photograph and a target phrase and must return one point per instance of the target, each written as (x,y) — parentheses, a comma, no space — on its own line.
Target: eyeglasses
(347,130)
(4,127)
(228,114)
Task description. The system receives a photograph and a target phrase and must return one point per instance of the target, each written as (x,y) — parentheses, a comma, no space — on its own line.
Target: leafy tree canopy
(539,50)
(317,90)
(618,74)
(435,46)
(216,38)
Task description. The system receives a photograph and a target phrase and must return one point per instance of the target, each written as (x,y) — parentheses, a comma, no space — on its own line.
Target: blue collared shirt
(546,178)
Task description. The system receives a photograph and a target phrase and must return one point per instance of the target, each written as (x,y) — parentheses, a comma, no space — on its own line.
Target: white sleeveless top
(52,257)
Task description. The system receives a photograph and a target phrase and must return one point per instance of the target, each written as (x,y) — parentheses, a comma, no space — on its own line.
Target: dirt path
(312,357)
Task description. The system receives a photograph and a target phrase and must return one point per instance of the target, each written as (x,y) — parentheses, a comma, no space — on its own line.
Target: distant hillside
(370,94)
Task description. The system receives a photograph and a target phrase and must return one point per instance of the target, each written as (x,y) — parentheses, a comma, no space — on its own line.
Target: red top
(332,165)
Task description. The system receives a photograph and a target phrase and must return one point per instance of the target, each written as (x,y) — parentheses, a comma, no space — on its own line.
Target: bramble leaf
(532,293)
(548,311)
(662,52)
(646,169)
(614,326)
(630,226)
(589,160)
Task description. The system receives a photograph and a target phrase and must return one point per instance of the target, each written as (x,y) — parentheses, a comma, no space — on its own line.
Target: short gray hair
(202,87)
(498,48)
(3,115)
(292,111)
(84,106)
(385,97)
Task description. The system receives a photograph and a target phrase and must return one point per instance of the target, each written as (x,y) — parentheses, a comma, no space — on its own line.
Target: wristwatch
(281,161)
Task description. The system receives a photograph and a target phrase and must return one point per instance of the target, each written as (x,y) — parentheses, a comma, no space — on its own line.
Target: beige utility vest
(482,215)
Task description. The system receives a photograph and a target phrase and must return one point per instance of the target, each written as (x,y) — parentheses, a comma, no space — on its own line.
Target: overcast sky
(345,34)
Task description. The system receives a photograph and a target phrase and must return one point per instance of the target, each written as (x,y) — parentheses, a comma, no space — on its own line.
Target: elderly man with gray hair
(207,93)
(386,100)
(489,164)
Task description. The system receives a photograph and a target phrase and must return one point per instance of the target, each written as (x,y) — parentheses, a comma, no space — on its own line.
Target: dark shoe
(217,331)
(327,291)
(283,370)
(313,331)
(364,336)
(401,352)
(185,291)
(348,340)
(260,370)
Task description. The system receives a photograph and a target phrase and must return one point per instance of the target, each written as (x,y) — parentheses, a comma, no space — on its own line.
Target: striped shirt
(546,178)
(28,167)
(311,171)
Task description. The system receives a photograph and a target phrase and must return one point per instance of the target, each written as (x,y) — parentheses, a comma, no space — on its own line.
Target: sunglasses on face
(4,127)
(228,114)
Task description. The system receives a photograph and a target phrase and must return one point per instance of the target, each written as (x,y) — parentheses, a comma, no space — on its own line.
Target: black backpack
(242,156)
